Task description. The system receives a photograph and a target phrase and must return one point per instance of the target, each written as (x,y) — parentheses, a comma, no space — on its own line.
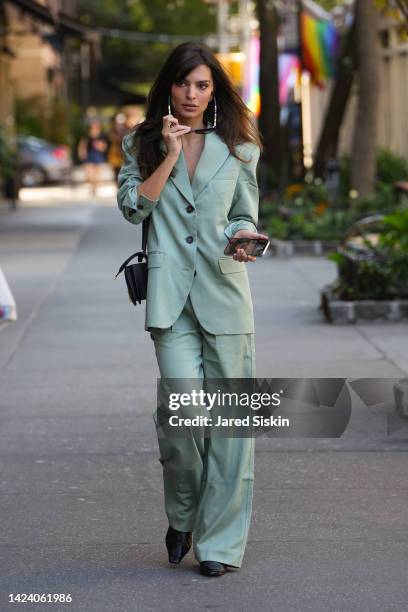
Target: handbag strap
(145,229)
(140,254)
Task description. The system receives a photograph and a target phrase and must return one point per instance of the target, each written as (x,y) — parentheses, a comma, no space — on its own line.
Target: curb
(288,248)
(342,311)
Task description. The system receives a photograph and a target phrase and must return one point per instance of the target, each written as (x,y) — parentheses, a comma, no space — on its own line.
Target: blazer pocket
(154,259)
(230,266)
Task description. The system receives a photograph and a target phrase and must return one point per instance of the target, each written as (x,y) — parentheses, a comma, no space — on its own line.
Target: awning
(65,24)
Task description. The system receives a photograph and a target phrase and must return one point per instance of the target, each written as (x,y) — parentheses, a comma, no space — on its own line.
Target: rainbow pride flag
(289,74)
(251,95)
(319,44)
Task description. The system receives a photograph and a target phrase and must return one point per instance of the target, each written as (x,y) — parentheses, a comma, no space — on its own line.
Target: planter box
(342,311)
(401,397)
(287,248)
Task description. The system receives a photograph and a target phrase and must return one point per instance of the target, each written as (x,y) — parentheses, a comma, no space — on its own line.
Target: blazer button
(190,208)
(189,239)
(139,206)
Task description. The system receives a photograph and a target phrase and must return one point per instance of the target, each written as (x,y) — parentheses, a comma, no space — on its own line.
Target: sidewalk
(81,489)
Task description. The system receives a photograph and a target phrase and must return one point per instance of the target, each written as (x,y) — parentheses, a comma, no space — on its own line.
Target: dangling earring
(215,113)
(169,105)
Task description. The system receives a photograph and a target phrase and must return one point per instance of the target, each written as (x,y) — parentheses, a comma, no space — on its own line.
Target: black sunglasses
(202,130)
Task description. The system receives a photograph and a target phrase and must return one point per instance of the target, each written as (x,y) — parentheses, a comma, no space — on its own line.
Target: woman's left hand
(240,254)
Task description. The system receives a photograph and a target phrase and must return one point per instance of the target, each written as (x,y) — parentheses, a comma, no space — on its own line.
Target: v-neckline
(191,181)
(214,154)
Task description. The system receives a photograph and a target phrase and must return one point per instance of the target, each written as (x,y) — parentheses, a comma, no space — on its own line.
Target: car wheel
(32,176)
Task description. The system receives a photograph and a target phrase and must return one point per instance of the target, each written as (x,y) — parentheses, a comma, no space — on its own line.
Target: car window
(32,143)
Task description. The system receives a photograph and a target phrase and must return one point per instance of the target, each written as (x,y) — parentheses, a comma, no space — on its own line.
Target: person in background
(92,150)
(116,133)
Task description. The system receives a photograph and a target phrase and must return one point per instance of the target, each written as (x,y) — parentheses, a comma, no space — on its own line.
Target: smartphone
(252,246)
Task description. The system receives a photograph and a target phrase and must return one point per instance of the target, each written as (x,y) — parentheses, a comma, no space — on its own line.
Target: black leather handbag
(136,274)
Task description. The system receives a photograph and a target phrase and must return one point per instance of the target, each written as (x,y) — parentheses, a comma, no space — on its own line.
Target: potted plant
(372,265)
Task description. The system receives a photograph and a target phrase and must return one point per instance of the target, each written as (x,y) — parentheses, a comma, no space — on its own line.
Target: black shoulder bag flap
(136,273)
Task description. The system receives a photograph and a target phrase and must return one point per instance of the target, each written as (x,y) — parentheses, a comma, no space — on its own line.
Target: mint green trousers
(208,482)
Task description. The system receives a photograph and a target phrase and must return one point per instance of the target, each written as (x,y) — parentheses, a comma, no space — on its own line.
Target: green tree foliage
(396,10)
(136,63)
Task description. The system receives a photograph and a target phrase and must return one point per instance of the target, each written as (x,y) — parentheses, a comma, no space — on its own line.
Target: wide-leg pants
(208,481)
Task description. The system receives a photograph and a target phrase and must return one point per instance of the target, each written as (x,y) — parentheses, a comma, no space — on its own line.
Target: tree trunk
(329,135)
(269,119)
(363,157)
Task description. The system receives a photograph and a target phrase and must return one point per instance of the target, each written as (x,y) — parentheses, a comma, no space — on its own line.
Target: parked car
(42,162)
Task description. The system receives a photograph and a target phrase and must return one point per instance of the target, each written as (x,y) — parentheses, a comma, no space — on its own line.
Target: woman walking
(115,137)
(190,168)
(92,150)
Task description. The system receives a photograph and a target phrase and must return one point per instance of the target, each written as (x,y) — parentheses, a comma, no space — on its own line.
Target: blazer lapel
(213,155)
(181,180)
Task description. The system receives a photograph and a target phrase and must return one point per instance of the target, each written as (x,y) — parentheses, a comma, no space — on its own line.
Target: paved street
(80,481)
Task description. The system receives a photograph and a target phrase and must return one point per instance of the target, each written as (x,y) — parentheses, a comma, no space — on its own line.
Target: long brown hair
(235,122)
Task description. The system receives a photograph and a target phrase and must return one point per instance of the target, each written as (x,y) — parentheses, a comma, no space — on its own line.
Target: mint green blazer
(189,228)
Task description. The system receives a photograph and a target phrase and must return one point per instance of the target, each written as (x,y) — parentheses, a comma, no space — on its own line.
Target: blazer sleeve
(135,208)
(244,210)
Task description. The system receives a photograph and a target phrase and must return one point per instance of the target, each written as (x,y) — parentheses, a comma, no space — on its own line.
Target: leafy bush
(394,237)
(391,167)
(307,210)
(51,121)
(371,279)
(381,272)
(384,200)
(304,211)
(30,116)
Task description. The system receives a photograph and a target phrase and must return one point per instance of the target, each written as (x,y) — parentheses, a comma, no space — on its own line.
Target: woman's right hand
(172,132)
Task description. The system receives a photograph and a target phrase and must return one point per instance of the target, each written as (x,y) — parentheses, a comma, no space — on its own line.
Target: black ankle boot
(212,568)
(178,544)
